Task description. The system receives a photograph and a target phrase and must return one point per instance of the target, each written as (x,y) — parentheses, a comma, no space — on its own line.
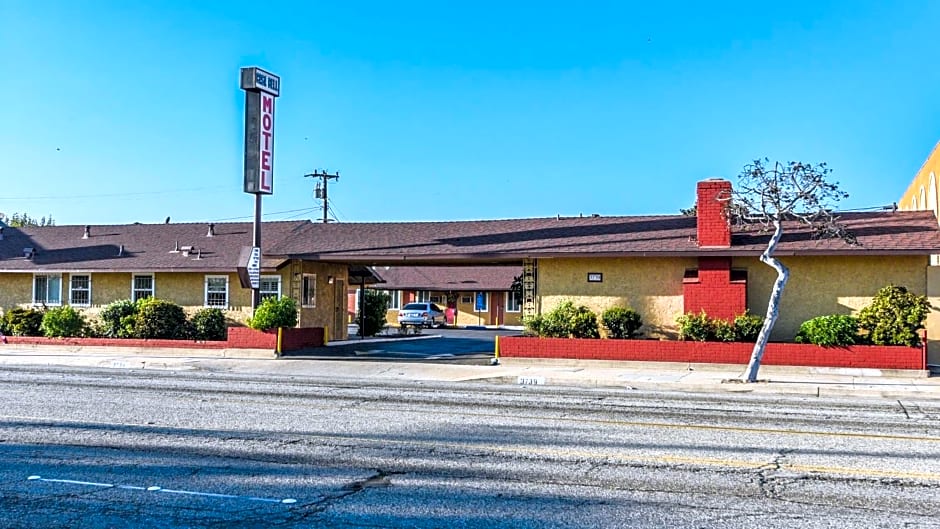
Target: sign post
(261,88)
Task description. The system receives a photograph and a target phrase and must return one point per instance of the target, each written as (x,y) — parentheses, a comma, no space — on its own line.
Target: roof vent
(198,254)
(176,249)
(29,252)
(211,232)
(87,233)
(595,215)
(121,251)
(186,250)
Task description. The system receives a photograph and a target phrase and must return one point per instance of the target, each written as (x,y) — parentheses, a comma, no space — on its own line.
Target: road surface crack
(906,414)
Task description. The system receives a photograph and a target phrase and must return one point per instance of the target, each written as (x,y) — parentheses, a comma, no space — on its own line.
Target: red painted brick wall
(870,356)
(247,338)
(712,202)
(713,291)
(296,339)
(238,338)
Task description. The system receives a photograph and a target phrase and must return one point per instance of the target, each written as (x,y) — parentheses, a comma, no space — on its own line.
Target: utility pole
(325,177)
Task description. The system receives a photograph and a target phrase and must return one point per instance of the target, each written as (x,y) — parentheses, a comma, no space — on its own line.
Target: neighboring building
(470,295)
(193,265)
(921,194)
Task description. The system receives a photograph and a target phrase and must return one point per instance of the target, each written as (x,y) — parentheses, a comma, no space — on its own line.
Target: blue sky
(119,112)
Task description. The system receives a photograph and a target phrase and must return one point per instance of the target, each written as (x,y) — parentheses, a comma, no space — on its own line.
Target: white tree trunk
(773,305)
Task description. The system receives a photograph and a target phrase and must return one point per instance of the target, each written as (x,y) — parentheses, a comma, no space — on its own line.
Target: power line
(303,210)
(109,195)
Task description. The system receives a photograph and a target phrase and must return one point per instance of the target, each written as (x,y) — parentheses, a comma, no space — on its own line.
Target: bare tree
(793,193)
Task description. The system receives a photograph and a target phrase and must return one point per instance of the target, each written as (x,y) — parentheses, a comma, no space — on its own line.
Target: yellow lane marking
(706,427)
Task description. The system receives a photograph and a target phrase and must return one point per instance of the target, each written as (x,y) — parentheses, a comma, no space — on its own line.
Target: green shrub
(568,321)
(62,322)
(117,319)
(621,323)
(834,330)
(158,318)
(273,313)
(695,327)
(373,312)
(747,327)
(533,325)
(24,322)
(208,324)
(723,330)
(584,324)
(894,317)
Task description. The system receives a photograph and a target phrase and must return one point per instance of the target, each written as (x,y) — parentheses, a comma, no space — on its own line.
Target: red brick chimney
(713,196)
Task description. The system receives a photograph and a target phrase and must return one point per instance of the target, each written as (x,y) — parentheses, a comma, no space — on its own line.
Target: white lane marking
(161,489)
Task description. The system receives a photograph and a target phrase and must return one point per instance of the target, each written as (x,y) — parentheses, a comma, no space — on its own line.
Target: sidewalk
(699,378)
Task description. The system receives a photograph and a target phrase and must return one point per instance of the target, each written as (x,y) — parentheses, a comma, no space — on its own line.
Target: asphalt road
(118,448)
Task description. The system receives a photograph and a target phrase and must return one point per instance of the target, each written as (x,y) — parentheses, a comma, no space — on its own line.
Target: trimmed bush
(24,322)
(621,323)
(533,325)
(117,319)
(373,313)
(747,327)
(273,313)
(894,317)
(158,318)
(723,330)
(208,324)
(695,327)
(834,330)
(62,322)
(568,321)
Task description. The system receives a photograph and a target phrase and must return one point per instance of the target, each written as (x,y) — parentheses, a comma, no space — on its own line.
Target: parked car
(423,314)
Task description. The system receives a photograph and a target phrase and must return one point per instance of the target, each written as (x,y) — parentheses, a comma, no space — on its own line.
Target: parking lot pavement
(431,344)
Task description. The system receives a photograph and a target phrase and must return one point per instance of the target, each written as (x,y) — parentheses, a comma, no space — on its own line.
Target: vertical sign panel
(266,144)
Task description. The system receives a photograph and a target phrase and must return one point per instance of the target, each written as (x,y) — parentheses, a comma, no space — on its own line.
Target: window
(47,289)
(482,302)
(270,287)
(80,290)
(142,287)
(217,291)
(513,303)
(394,299)
(423,296)
(309,295)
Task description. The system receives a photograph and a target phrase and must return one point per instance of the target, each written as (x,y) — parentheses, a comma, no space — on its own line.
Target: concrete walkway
(709,378)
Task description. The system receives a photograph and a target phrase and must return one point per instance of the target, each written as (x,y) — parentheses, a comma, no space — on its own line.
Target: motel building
(661,266)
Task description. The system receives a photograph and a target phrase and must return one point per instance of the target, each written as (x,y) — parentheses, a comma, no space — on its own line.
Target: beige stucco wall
(330,310)
(651,286)
(820,286)
(15,289)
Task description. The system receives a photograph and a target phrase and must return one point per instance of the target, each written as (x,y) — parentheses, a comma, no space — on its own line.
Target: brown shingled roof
(447,278)
(885,233)
(147,247)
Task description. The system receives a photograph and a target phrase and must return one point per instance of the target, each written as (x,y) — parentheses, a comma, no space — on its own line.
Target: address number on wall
(595,277)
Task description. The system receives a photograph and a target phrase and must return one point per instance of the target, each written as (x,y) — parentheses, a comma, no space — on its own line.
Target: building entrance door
(339,309)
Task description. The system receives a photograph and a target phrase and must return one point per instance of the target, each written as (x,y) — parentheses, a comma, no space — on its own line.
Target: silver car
(423,314)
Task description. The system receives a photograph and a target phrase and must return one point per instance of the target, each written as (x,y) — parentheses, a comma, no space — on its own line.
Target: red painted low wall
(790,354)
(238,338)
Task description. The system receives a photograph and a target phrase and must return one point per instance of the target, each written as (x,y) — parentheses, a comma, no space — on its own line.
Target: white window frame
(486,302)
(423,296)
(308,279)
(153,286)
(46,301)
(205,290)
(73,290)
(277,294)
(510,296)
(394,299)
